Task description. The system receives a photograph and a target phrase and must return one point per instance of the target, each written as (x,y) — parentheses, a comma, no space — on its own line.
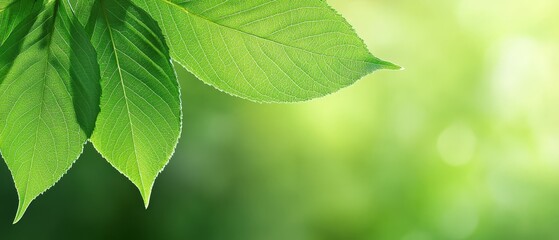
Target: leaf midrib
(263,38)
(110,30)
(40,118)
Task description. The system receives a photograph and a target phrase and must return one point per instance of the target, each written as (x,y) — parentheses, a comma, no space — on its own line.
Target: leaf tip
(146,195)
(146,202)
(390,66)
(20,212)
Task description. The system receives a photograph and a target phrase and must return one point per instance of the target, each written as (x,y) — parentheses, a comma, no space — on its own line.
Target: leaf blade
(140,119)
(263,50)
(41,133)
(13,12)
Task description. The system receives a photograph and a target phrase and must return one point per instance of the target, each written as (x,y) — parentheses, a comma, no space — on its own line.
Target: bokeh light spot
(457,144)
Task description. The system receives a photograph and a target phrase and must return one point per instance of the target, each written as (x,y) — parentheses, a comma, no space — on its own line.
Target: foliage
(102,70)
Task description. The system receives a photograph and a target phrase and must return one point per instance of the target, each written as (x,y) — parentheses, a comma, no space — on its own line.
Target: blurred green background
(463,144)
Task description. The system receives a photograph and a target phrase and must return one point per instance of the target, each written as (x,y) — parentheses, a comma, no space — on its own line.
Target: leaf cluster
(73,71)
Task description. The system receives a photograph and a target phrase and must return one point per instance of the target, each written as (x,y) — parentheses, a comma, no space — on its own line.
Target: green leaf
(82,9)
(49,93)
(13,12)
(263,50)
(140,119)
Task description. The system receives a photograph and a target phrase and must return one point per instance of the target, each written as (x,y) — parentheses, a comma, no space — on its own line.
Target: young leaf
(48,99)
(140,119)
(263,50)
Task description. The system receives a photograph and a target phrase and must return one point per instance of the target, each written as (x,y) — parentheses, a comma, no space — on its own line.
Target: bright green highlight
(265,51)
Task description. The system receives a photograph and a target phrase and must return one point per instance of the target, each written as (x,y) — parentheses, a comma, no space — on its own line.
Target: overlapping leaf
(140,119)
(48,99)
(58,81)
(264,50)
(13,12)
